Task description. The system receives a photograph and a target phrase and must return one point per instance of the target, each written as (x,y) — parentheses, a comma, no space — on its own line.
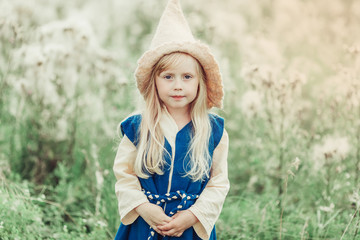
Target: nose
(178,84)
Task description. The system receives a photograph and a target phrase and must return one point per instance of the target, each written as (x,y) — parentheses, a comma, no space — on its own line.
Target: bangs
(173,60)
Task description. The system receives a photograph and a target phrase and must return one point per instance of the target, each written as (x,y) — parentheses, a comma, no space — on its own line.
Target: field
(291,72)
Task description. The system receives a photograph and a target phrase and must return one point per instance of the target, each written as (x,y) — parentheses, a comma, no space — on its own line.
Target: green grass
(58,117)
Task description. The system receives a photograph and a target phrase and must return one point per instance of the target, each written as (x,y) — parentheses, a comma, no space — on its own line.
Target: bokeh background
(292,109)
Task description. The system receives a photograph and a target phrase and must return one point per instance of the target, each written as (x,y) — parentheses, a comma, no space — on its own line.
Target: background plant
(290,71)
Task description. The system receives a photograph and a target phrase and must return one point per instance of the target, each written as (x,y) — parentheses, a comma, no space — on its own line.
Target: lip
(176,97)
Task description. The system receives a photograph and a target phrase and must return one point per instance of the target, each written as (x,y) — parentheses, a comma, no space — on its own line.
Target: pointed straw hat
(173,34)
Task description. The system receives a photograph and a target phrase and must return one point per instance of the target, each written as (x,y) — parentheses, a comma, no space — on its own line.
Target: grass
(57,150)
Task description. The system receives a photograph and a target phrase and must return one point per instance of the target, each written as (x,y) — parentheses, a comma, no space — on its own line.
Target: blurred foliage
(292,108)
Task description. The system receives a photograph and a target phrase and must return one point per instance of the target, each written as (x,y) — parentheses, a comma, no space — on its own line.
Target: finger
(166,227)
(163,228)
(161,223)
(163,220)
(171,232)
(158,231)
(179,234)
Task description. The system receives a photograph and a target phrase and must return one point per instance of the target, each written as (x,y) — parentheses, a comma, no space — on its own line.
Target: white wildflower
(296,78)
(332,148)
(252,181)
(37,219)
(99,179)
(354,49)
(355,100)
(101,224)
(268,76)
(54,51)
(29,56)
(69,81)
(75,32)
(61,130)
(296,163)
(339,146)
(48,91)
(339,169)
(8,20)
(289,172)
(51,30)
(85,36)
(16,204)
(22,86)
(13,106)
(26,193)
(251,103)
(250,74)
(355,198)
(327,208)
(120,77)
(97,108)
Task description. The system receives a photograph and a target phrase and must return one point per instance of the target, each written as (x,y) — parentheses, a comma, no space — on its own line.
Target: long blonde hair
(150,156)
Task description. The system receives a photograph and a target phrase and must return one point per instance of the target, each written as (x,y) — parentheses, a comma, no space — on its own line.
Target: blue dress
(183,192)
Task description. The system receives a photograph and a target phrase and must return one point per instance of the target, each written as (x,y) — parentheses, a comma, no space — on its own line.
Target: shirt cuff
(129,215)
(202,228)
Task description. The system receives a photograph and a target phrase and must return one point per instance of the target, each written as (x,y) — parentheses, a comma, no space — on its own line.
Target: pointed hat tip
(175,1)
(174,4)
(172,26)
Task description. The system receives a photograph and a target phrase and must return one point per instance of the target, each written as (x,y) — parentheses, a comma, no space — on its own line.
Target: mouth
(177,97)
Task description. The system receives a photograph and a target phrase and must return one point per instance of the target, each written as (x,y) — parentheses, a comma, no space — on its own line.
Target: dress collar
(168,127)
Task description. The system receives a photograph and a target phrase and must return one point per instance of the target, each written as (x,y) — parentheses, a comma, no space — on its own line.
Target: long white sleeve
(209,204)
(127,187)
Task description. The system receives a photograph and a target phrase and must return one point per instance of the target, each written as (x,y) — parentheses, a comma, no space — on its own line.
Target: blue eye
(188,76)
(167,77)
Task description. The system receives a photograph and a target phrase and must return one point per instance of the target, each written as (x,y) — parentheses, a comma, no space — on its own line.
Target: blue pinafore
(183,191)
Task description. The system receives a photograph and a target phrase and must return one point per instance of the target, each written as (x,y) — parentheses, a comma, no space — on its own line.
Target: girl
(171,165)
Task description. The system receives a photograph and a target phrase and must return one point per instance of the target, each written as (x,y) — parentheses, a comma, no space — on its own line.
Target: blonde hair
(151,150)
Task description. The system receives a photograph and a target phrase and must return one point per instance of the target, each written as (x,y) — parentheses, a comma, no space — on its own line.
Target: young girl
(171,165)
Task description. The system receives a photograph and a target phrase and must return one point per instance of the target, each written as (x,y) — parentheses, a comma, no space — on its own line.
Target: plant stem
(303,230)
(282,207)
(74,123)
(347,227)
(357,224)
(328,179)
(357,166)
(281,156)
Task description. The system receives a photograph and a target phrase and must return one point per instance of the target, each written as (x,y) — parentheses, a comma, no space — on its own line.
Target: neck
(181,117)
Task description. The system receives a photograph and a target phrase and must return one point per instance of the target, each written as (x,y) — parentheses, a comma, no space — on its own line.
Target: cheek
(161,88)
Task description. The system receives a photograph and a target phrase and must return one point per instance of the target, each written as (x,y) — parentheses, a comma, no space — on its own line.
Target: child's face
(178,85)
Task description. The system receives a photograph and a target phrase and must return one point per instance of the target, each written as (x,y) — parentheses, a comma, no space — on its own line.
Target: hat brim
(197,50)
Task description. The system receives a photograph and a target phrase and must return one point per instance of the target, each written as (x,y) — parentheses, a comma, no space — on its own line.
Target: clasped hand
(167,226)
